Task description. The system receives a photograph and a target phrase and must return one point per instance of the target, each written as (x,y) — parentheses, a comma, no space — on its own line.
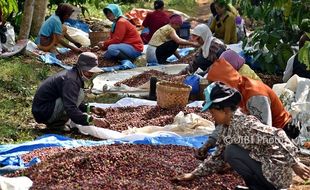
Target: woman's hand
(183,177)
(302,170)
(77,50)
(202,152)
(77,44)
(99,111)
(101,45)
(95,49)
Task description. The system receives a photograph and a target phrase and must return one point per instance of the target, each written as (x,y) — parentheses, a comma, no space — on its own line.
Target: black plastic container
(152,93)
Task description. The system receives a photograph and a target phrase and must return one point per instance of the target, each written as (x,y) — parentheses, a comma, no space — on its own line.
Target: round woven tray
(170,94)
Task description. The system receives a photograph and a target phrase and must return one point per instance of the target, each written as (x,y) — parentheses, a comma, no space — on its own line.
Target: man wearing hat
(59,97)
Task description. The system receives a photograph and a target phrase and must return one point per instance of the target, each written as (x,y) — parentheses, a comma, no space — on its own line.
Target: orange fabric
(222,71)
(127,33)
(136,16)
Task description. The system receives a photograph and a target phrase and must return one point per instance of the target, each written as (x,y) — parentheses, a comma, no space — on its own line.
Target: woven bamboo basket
(171,94)
(96,37)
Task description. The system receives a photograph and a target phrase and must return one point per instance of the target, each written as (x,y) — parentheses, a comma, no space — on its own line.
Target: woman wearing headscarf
(238,63)
(258,100)
(124,42)
(154,20)
(224,24)
(53,31)
(165,42)
(210,49)
(263,156)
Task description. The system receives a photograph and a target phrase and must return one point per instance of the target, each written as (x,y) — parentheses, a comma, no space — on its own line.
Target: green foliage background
(277,29)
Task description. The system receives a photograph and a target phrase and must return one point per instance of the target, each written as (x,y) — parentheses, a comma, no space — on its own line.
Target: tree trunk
(38,16)
(26,20)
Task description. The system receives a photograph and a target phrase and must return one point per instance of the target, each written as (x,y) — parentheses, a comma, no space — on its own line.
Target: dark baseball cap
(88,61)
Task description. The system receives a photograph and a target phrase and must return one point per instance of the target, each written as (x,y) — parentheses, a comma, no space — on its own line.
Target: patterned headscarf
(218,95)
(205,33)
(116,11)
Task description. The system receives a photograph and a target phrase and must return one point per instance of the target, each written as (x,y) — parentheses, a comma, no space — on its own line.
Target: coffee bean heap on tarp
(121,118)
(71,58)
(144,77)
(123,166)
(270,80)
(188,58)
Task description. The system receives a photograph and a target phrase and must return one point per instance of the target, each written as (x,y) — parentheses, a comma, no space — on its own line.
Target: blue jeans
(121,51)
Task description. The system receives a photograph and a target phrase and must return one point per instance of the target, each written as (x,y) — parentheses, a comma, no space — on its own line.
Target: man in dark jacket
(59,98)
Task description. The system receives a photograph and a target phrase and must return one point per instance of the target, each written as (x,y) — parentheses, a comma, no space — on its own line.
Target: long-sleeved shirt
(225,28)
(154,21)
(269,107)
(127,33)
(267,145)
(66,85)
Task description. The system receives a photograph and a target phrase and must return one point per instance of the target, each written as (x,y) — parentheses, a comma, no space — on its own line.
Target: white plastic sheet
(184,125)
(79,36)
(15,183)
(295,95)
(236,47)
(10,38)
(105,82)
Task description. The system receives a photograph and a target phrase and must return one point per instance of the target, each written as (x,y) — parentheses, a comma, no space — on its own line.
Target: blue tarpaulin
(124,64)
(182,51)
(77,24)
(10,155)
(50,58)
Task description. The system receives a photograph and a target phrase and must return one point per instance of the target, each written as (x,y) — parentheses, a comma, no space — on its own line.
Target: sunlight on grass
(19,77)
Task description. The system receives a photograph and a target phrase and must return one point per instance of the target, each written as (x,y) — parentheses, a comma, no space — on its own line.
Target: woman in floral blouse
(263,156)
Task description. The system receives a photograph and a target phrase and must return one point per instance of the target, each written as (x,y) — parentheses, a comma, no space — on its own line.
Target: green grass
(19,78)
(186,6)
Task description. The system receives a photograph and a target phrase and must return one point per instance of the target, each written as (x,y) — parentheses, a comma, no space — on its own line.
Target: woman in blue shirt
(53,31)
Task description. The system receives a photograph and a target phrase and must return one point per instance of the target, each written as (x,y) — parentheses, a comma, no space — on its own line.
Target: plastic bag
(193,81)
(15,183)
(79,36)
(10,38)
